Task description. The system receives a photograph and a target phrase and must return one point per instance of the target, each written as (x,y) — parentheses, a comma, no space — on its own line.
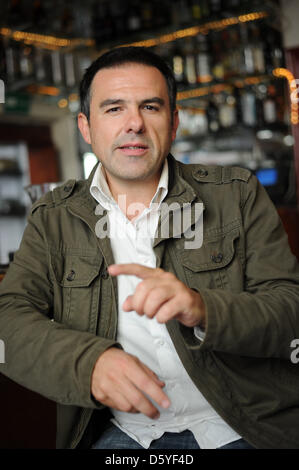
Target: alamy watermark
(2,352)
(295,353)
(2,92)
(176,220)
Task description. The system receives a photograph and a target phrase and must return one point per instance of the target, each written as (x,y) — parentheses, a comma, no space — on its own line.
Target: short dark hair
(125,55)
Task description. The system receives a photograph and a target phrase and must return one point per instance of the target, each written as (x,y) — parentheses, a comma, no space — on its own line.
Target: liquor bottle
(205,8)
(190,62)
(69,68)
(217,67)
(248,107)
(247,65)
(213,116)
(26,61)
(227,109)
(269,106)
(235,53)
(175,14)
(2,59)
(258,50)
(178,65)
(273,49)
(147,15)
(260,91)
(56,68)
(83,21)
(12,61)
(134,17)
(196,10)
(40,65)
(225,59)
(203,59)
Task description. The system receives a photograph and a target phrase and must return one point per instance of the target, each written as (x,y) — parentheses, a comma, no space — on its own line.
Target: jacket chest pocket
(217,264)
(77,283)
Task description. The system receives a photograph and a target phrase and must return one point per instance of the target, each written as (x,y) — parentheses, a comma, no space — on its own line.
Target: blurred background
(236,63)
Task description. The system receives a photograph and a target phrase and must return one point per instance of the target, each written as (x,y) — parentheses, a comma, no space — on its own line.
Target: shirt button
(161,342)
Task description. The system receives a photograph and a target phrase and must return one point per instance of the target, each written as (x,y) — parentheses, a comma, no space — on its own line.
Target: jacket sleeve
(264,319)
(40,354)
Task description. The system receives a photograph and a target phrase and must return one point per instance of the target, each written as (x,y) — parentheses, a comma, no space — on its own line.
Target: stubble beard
(121,173)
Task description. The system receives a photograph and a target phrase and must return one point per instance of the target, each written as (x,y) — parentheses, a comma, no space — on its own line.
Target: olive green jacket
(58,305)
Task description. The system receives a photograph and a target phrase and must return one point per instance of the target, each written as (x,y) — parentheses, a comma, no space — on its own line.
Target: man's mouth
(135,146)
(133,149)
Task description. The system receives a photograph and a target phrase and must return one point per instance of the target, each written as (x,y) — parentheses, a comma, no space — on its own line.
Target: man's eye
(113,110)
(150,107)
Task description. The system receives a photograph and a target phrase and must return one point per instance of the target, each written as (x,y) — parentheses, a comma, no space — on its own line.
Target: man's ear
(175,124)
(83,125)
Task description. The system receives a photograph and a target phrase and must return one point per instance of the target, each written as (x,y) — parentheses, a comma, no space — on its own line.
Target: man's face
(130,128)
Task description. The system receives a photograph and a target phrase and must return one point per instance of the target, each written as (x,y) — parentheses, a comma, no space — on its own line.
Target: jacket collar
(180,197)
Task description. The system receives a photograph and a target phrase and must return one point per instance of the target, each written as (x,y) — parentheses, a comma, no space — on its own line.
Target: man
(154,343)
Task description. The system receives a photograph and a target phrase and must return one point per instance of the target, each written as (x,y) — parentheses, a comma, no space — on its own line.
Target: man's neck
(133,197)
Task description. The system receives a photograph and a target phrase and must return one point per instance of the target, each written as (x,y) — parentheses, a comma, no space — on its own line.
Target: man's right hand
(119,380)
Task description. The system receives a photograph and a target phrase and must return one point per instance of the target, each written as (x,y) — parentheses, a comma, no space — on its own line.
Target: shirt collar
(100,191)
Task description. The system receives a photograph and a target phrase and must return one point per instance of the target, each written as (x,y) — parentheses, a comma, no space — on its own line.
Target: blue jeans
(114,438)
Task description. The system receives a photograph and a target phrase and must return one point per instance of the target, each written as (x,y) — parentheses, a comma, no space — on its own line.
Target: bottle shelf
(56,64)
(216,87)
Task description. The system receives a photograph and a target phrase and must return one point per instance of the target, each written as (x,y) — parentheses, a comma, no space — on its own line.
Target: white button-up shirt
(132,242)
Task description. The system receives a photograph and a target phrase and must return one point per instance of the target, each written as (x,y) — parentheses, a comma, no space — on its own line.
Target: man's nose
(135,122)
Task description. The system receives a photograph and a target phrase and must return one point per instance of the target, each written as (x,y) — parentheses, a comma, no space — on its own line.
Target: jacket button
(202,173)
(104,274)
(217,258)
(71,275)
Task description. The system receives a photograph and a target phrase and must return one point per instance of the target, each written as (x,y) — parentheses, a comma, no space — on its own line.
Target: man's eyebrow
(112,101)
(155,99)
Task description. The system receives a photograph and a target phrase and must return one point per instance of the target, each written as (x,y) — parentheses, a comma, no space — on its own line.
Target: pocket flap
(215,253)
(76,270)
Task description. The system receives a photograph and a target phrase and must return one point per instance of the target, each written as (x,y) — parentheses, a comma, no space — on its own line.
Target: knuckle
(141,287)
(156,294)
(144,383)
(127,408)
(169,276)
(138,401)
(99,394)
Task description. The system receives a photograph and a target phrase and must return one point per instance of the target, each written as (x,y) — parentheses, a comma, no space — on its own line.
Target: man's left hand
(161,295)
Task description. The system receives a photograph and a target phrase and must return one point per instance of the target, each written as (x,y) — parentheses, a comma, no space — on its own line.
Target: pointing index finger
(132,269)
